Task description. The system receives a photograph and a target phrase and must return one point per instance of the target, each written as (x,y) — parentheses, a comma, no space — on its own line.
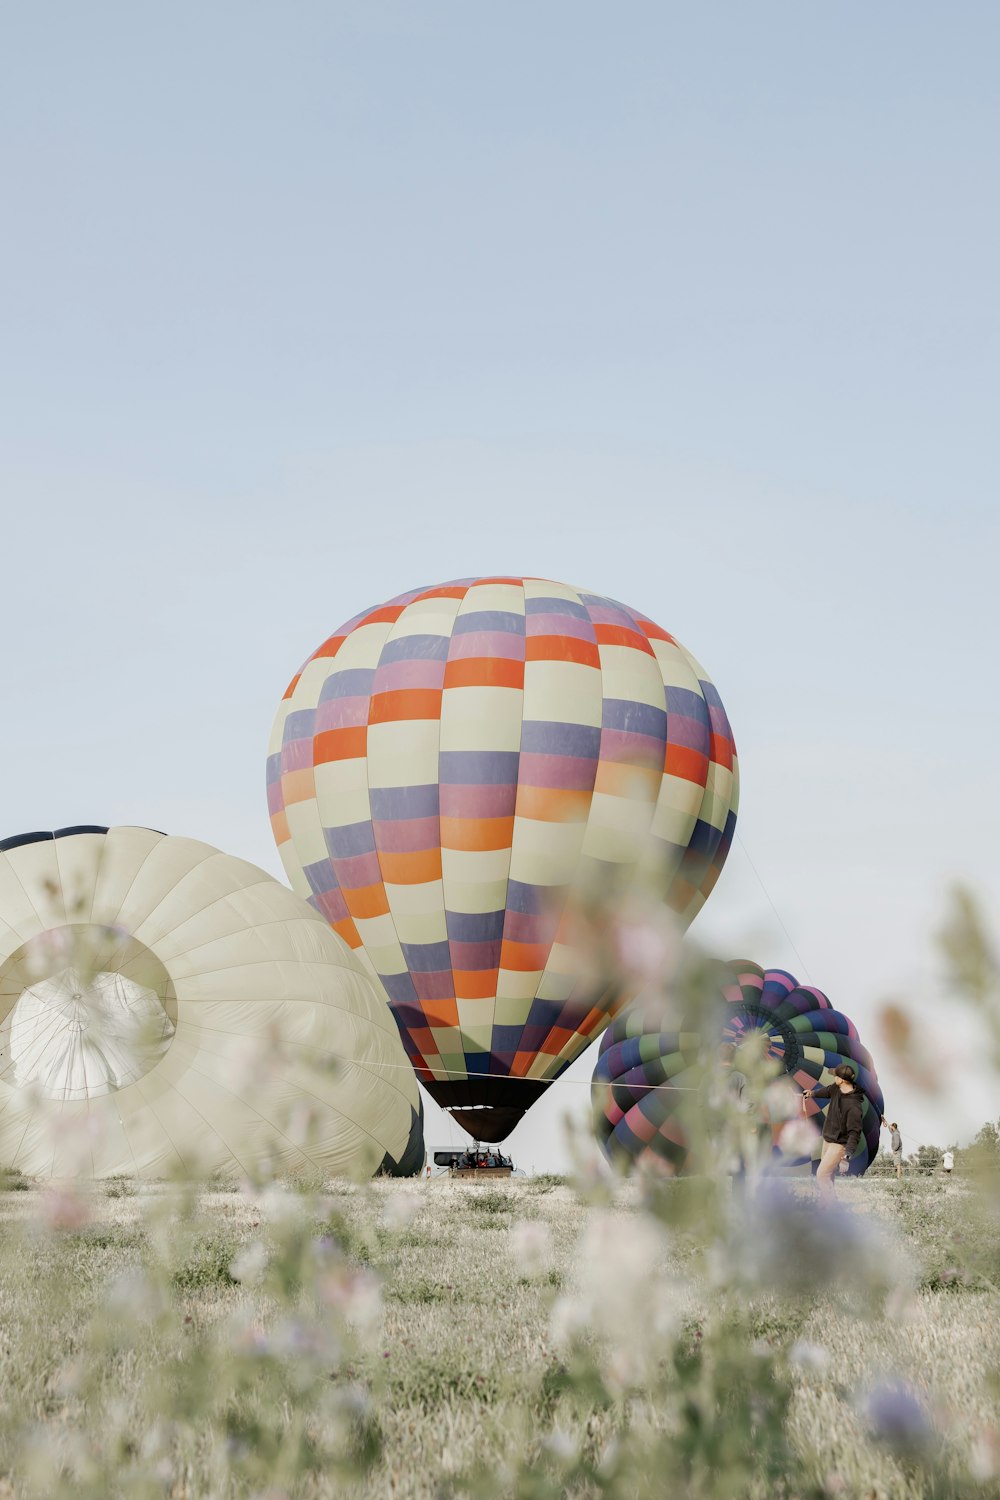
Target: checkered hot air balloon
(645,1069)
(441,770)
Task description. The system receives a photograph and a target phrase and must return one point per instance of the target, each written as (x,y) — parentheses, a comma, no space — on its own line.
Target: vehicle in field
(477,1162)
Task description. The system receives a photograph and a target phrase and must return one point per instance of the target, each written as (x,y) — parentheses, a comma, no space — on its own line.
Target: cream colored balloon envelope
(164,1006)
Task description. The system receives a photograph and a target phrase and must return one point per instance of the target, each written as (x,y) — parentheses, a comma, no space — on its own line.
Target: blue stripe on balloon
(478,767)
(426,958)
(634,718)
(415,648)
(351,839)
(541,737)
(483,620)
(354,682)
(391,802)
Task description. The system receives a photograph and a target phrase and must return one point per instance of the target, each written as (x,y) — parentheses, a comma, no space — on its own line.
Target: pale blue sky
(301,306)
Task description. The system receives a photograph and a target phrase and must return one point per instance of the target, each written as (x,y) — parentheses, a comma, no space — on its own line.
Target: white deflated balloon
(165,1006)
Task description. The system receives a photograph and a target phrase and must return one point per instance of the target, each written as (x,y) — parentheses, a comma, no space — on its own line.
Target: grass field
(458,1355)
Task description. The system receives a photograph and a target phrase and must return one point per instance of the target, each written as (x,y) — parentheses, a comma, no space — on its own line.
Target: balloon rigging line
(767,893)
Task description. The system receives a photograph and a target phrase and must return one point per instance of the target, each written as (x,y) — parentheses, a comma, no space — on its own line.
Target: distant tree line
(983,1154)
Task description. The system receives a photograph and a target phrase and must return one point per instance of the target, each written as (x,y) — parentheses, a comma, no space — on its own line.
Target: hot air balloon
(163,1003)
(643,1070)
(441,770)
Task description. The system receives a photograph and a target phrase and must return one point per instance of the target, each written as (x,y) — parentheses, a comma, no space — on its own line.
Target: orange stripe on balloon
(556,1040)
(346,929)
(410,868)
(475,984)
(656,632)
(340,744)
(549,804)
(478,834)
(484,671)
(330,647)
(298,786)
(561,648)
(620,635)
(388,614)
(449,592)
(523,958)
(440,1012)
(722,751)
(680,895)
(691,765)
(405,703)
(367,901)
(625,779)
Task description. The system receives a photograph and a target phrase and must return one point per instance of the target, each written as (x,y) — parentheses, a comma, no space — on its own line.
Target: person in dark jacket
(841,1128)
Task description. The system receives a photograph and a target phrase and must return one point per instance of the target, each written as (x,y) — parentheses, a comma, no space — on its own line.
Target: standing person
(948,1163)
(896,1142)
(841,1128)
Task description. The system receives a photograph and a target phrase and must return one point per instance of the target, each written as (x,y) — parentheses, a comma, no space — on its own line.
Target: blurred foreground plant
(681,1345)
(683,1336)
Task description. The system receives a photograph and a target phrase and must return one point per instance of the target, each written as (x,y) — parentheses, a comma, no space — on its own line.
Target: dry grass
(457,1365)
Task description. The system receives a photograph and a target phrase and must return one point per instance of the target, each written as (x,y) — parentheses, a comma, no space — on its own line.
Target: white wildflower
(782,1101)
(133,1294)
(250,1264)
(798,1138)
(646,944)
(531,1246)
(400,1210)
(632,1312)
(64,1208)
(356,1294)
(302,1122)
(984,1460)
(811,1357)
(561,1446)
(279,1206)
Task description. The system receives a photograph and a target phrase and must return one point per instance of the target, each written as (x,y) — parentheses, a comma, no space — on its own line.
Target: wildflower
(780,1240)
(797,1138)
(48,953)
(898,1418)
(356,1294)
(251,1060)
(247,1335)
(811,1357)
(250,1264)
(279,1206)
(781,1102)
(306,1340)
(400,1210)
(630,1312)
(531,1246)
(984,1460)
(645,945)
(134,1295)
(561,1446)
(64,1208)
(302,1123)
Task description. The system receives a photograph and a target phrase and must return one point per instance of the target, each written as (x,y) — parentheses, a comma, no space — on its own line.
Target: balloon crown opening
(784,1045)
(85,1010)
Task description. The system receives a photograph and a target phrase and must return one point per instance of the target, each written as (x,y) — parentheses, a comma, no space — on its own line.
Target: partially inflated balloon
(644,1070)
(162,1003)
(441,770)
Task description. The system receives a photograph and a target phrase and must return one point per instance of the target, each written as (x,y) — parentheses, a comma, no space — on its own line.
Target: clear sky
(305,305)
